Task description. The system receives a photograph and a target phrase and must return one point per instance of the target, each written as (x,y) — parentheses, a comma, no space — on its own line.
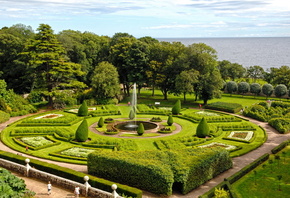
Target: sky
(155,18)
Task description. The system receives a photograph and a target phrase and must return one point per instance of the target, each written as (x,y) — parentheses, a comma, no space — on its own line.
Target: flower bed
(217,144)
(49,116)
(77,152)
(76,110)
(36,141)
(242,135)
(206,113)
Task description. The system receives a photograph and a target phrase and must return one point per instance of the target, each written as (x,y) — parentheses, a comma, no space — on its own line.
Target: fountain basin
(133,125)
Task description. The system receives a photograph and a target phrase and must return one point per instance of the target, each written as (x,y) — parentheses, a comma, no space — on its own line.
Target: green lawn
(263,181)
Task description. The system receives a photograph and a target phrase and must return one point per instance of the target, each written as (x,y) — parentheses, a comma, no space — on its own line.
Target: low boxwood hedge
(73,175)
(225,106)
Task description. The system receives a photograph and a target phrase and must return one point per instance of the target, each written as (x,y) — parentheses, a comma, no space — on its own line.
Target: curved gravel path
(274,139)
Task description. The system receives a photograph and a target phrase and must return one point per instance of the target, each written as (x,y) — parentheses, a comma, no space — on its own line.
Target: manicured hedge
(156,171)
(280,147)
(282,125)
(73,175)
(235,177)
(145,109)
(225,106)
(64,134)
(66,120)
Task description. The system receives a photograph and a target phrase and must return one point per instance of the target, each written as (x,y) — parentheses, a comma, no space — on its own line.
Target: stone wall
(56,180)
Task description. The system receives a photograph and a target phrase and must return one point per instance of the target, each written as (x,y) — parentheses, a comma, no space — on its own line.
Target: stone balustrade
(56,180)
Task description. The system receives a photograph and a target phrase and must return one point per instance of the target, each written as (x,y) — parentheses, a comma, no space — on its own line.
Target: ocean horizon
(266,52)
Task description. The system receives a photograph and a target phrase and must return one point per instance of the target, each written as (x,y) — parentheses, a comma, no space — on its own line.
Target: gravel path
(274,139)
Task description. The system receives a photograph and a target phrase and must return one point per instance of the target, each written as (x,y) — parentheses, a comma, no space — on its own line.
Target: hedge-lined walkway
(274,139)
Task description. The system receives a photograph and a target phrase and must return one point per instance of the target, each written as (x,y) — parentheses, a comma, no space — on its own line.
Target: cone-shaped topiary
(140,129)
(82,132)
(83,110)
(101,122)
(202,129)
(176,108)
(170,120)
(131,114)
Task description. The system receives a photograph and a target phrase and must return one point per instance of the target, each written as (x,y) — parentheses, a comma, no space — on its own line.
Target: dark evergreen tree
(82,132)
(170,120)
(83,110)
(176,108)
(140,129)
(202,129)
(101,122)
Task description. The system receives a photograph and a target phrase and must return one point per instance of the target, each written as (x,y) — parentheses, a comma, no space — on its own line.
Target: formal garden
(159,155)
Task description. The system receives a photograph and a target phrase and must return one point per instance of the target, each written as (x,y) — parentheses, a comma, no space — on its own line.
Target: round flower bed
(156,119)
(165,130)
(111,132)
(109,120)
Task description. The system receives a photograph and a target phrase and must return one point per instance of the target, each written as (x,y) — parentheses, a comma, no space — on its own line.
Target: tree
(255,88)
(236,71)
(105,82)
(231,87)
(176,108)
(203,58)
(267,89)
(82,132)
(185,82)
(140,129)
(202,129)
(243,87)
(132,114)
(48,60)
(224,67)
(281,76)
(83,110)
(101,122)
(280,90)
(255,72)
(170,120)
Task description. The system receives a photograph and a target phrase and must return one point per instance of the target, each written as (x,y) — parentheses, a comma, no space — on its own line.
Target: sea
(266,52)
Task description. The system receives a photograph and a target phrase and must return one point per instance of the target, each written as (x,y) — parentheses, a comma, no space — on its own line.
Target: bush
(280,124)
(82,132)
(83,110)
(225,106)
(140,129)
(170,120)
(202,129)
(156,119)
(131,114)
(176,108)
(4,116)
(101,122)
(156,171)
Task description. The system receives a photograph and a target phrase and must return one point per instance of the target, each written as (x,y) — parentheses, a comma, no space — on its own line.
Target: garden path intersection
(274,139)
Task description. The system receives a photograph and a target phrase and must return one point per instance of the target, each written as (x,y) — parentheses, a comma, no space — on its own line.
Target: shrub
(101,122)
(4,116)
(225,106)
(131,114)
(83,110)
(157,171)
(170,120)
(82,132)
(156,119)
(140,129)
(176,108)
(202,129)
(280,124)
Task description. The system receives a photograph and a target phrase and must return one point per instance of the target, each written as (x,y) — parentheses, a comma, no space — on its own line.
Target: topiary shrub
(140,129)
(202,129)
(176,108)
(83,110)
(131,114)
(101,122)
(82,132)
(170,120)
